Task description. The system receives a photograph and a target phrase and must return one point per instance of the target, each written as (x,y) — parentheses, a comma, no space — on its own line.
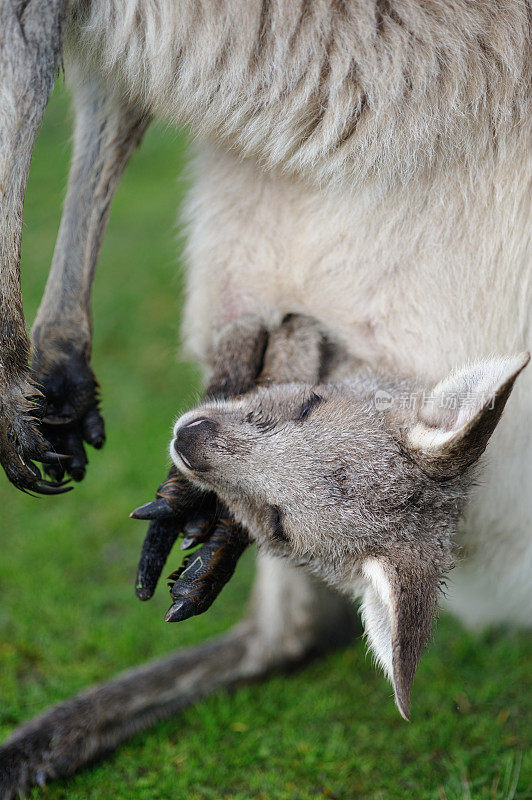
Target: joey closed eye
(276,523)
(264,424)
(313,401)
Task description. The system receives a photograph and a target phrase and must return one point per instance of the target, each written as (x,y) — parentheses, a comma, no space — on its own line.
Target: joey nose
(191,442)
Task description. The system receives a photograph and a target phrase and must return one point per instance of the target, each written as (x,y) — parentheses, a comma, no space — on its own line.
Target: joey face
(317,474)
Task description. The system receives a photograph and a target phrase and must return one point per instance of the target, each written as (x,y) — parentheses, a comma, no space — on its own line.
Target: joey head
(366,494)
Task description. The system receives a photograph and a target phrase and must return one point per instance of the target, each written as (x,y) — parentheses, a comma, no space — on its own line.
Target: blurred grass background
(68,615)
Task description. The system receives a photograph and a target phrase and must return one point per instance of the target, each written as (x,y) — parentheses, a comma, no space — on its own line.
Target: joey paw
(182,508)
(177,503)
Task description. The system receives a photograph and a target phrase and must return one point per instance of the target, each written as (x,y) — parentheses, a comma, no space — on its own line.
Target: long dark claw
(45,487)
(156,509)
(196,530)
(52,419)
(205,572)
(56,421)
(182,609)
(49,458)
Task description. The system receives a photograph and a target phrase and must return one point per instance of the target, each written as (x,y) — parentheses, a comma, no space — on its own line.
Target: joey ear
(457,419)
(397,608)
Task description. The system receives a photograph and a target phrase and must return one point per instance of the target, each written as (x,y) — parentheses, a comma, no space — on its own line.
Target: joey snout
(192,440)
(213,445)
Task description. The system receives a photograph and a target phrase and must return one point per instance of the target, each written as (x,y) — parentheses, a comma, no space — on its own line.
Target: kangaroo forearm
(296,350)
(106,133)
(30,45)
(30,40)
(244,351)
(15,155)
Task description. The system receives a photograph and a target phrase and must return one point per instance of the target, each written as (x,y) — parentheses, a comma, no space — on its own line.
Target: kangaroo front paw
(22,443)
(71,417)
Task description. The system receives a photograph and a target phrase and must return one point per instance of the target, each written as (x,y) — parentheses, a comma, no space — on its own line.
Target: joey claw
(179,506)
(196,530)
(199,526)
(155,509)
(188,542)
(181,610)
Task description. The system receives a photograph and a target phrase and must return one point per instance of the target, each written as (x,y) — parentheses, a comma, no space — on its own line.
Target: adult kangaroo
(364,163)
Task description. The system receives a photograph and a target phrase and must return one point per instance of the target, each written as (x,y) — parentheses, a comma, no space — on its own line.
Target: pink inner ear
(438,418)
(453,432)
(464,394)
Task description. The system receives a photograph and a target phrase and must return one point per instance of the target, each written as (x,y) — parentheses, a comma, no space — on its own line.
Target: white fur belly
(417,281)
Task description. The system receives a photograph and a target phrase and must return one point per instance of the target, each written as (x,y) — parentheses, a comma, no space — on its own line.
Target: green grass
(68,615)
